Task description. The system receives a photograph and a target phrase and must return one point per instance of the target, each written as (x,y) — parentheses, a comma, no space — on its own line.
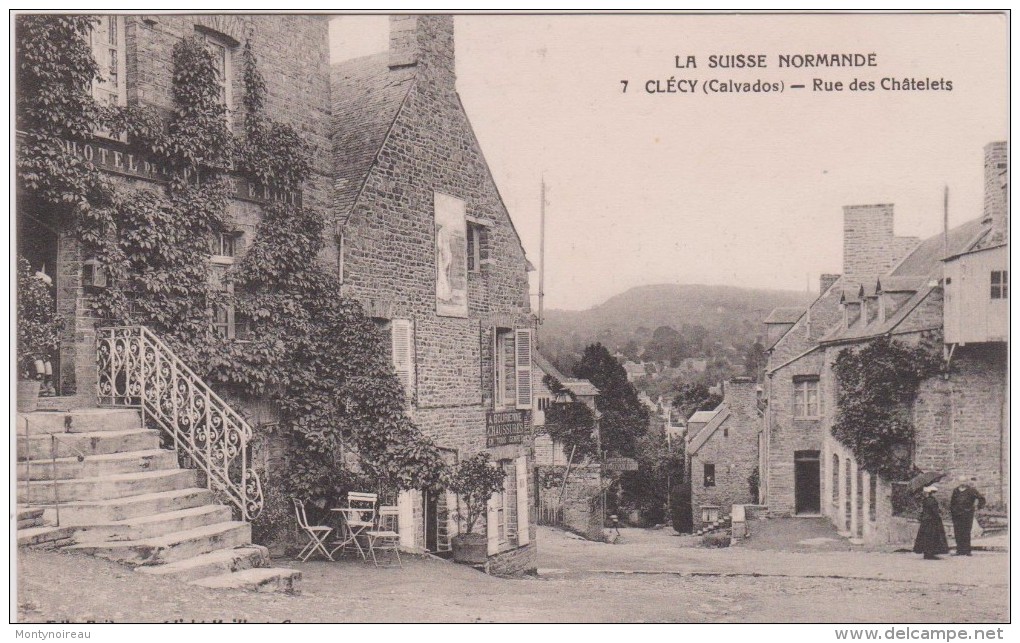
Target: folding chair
(359,517)
(317,534)
(386,536)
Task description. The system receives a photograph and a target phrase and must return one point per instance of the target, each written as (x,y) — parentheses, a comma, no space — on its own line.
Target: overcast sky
(735,189)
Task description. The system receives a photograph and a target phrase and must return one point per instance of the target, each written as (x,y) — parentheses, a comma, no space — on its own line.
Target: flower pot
(470,549)
(28,395)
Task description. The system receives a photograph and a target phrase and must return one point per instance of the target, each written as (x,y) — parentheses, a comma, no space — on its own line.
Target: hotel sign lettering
(505,427)
(114,157)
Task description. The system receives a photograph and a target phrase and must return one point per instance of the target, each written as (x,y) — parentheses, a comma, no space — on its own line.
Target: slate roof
(574,385)
(891,283)
(721,415)
(919,271)
(366,96)
(927,256)
(785,315)
(581,387)
(703,416)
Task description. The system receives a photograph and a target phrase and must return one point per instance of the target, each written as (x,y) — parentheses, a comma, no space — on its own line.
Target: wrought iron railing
(136,369)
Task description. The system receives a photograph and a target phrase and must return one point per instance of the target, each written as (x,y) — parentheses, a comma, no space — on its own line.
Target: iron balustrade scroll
(136,369)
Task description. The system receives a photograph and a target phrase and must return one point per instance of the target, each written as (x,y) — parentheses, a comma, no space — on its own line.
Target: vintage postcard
(690,318)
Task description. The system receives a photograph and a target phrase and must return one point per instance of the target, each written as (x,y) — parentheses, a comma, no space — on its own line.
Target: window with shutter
(522,343)
(492,523)
(401,333)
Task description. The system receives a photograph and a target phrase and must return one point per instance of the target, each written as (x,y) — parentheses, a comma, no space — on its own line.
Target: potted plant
(475,480)
(38,333)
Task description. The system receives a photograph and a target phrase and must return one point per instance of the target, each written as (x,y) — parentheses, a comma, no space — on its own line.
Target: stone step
(107,487)
(262,579)
(68,445)
(90,512)
(29,513)
(214,563)
(155,525)
(64,403)
(81,421)
(45,536)
(171,547)
(98,465)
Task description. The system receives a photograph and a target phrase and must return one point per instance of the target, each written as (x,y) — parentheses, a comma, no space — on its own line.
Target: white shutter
(497,395)
(523,535)
(405,519)
(403,352)
(522,353)
(452,524)
(492,524)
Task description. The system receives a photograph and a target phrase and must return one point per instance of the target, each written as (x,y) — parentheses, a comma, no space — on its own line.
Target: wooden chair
(386,536)
(359,517)
(317,534)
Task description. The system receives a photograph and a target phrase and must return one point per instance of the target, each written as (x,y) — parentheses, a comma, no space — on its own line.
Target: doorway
(807,482)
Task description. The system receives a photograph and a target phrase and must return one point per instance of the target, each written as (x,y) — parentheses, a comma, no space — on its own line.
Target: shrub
(715,541)
(680,509)
(475,481)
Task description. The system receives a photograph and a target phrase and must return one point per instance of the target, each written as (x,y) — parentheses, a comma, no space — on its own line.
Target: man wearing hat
(931,535)
(961,508)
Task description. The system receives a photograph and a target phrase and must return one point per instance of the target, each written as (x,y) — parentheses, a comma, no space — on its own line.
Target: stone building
(954,284)
(722,452)
(418,233)
(183,521)
(568,489)
(134,53)
(428,247)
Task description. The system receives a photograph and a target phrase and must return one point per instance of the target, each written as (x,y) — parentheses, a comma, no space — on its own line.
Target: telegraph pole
(541,265)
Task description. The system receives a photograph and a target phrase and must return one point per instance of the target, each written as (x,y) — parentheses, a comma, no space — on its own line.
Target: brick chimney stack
(869,245)
(426,42)
(825,282)
(996,166)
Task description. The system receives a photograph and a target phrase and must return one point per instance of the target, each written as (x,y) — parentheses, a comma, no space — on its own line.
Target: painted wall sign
(114,157)
(451,256)
(505,427)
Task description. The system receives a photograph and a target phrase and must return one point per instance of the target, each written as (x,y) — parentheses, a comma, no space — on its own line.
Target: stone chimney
(825,282)
(996,167)
(426,42)
(740,395)
(869,245)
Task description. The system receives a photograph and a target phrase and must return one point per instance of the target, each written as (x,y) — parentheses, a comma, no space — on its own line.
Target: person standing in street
(961,508)
(931,536)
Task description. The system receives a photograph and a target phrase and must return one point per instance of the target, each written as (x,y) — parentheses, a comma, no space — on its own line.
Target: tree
(666,345)
(571,423)
(693,397)
(476,479)
(624,418)
(755,360)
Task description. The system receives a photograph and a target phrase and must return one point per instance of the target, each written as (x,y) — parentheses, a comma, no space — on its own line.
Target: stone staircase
(720,523)
(121,497)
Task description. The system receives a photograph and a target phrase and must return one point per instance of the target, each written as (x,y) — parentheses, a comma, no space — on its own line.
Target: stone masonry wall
(581,504)
(733,449)
(293,56)
(390,254)
(785,434)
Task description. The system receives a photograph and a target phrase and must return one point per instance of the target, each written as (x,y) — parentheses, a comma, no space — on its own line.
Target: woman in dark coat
(931,537)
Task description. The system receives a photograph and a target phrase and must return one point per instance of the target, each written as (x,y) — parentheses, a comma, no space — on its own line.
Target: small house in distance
(722,452)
